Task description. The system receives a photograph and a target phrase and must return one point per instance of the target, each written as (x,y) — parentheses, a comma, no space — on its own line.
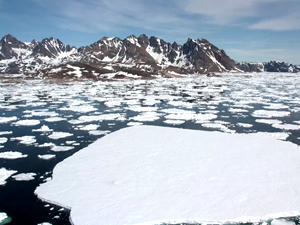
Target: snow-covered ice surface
(4,174)
(76,114)
(24,176)
(156,174)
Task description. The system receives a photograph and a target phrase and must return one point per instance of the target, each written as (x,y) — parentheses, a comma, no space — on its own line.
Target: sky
(248,30)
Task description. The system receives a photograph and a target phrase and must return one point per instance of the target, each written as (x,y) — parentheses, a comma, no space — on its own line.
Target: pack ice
(150,175)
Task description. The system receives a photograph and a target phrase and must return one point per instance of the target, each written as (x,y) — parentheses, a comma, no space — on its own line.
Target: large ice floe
(153,175)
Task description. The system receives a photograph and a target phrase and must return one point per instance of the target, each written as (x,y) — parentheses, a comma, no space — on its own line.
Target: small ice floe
(45,223)
(79,108)
(236,110)
(3,140)
(55,119)
(217,127)
(270,114)
(59,135)
(27,123)
(134,123)
(142,109)
(25,140)
(4,174)
(11,155)
(4,218)
(268,121)
(61,148)
(286,126)
(44,128)
(24,176)
(46,156)
(282,222)
(50,144)
(174,122)
(99,132)
(42,114)
(89,127)
(147,116)
(8,119)
(245,125)
(102,117)
(276,106)
(5,132)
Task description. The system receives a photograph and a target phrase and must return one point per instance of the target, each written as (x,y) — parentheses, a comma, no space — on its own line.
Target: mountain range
(133,57)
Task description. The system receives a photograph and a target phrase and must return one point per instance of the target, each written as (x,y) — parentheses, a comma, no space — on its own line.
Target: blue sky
(248,30)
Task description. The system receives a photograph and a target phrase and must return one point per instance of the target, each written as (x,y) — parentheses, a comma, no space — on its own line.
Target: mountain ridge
(112,57)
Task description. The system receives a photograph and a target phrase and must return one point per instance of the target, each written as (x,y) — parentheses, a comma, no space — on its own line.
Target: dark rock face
(140,56)
(50,47)
(7,44)
(272,66)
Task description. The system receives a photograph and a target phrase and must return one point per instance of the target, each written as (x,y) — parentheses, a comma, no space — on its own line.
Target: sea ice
(46,156)
(268,121)
(59,135)
(4,174)
(25,140)
(246,125)
(98,132)
(7,119)
(56,148)
(89,127)
(44,128)
(24,176)
(3,216)
(287,126)
(5,132)
(27,123)
(3,140)
(11,155)
(174,122)
(152,175)
(270,114)
(55,119)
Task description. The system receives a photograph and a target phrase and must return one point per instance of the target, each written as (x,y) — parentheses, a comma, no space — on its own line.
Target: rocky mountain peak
(7,45)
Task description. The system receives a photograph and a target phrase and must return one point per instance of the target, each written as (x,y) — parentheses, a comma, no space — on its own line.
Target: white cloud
(289,22)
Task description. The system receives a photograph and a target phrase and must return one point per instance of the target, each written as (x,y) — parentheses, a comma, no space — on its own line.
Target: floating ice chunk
(112,116)
(45,223)
(44,128)
(218,127)
(183,116)
(276,106)
(246,125)
(135,179)
(46,145)
(89,127)
(46,156)
(174,122)
(27,123)
(134,123)
(43,114)
(4,174)
(5,132)
(80,108)
(59,135)
(268,121)
(98,132)
(25,140)
(178,111)
(8,119)
(55,119)
(204,117)
(298,122)
(61,148)
(11,155)
(24,176)
(148,116)
(270,114)
(3,218)
(235,110)
(3,140)
(142,109)
(287,126)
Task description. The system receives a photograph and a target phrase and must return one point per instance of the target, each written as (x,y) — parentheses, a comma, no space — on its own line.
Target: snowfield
(154,174)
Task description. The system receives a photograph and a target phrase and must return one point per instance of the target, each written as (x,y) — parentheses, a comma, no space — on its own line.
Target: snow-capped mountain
(112,57)
(272,66)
